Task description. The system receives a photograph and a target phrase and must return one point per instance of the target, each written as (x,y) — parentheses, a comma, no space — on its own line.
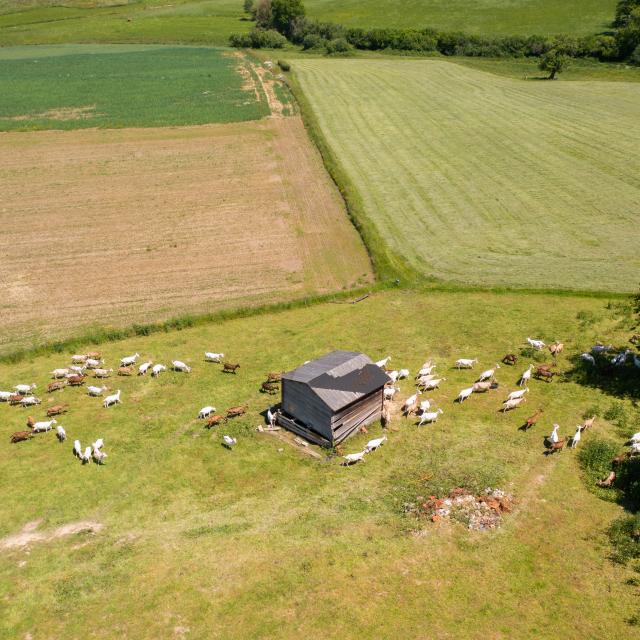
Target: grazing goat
(620,359)
(512,404)
(102,373)
(383,363)
(389,392)
(481,387)
(112,399)
(429,385)
(178,365)
(144,367)
(274,376)
(157,369)
(536,344)
(425,405)
(587,357)
(234,412)
(229,442)
(556,348)
(587,424)
(20,436)
(510,359)
(95,391)
(29,401)
(353,458)
(526,376)
(93,363)
(79,358)
(228,367)
(393,375)
(77,369)
(545,374)
(518,394)
(15,399)
(125,371)
(403,373)
(94,355)
(5,395)
(488,374)
(464,394)
(75,381)
(269,387)
(429,417)
(532,420)
(372,445)
(410,404)
(214,421)
(56,386)
(86,456)
(98,444)
(61,434)
(209,356)
(23,389)
(77,449)
(127,360)
(576,436)
(608,481)
(43,427)
(425,371)
(59,373)
(205,412)
(465,363)
(552,447)
(98,456)
(57,409)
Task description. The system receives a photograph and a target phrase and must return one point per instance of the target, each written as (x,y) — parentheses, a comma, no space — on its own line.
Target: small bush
(595,457)
(313,41)
(617,414)
(624,534)
(337,46)
(284,65)
(258,39)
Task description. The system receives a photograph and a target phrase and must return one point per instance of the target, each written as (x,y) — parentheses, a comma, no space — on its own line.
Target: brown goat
(556,348)
(230,368)
(15,399)
(214,421)
(274,376)
(234,412)
(608,481)
(125,371)
(587,424)
(532,420)
(269,387)
(557,446)
(94,355)
(544,374)
(21,436)
(56,386)
(510,358)
(57,409)
(76,381)
(30,422)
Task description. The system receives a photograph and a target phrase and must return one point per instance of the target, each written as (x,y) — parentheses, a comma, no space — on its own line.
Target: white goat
(512,404)
(157,369)
(29,401)
(425,405)
(517,394)
(79,358)
(95,391)
(98,444)
(77,369)
(464,394)
(389,392)
(5,395)
(429,417)
(526,376)
(372,445)
(128,360)
(465,363)
(92,363)
(61,433)
(112,399)
(210,356)
(59,373)
(86,456)
(144,367)
(536,344)
(410,402)
(178,365)
(229,442)
(587,357)
(488,374)
(77,449)
(40,427)
(271,417)
(102,373)
(393,375)
(353,458)
(403,373)
(635,437)
(576,436)
(383,363)
(24,388)
(425,371)
(206,411)
(554,434)
(429,385)
(99,456)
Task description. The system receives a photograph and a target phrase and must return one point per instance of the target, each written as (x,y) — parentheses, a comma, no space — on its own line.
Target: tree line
(282,21)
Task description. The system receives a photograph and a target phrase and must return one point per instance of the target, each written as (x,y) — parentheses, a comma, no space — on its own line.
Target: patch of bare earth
(63,113)
(31,533)
(136,225)
(267,82)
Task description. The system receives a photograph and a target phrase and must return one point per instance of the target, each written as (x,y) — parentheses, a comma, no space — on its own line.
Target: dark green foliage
(338,46)
(248,6)
(284,65)
(258,39)
(313,41)
(628,481)
(262,14)
(624,534)
(554,61)
(624,11)
(284,13)
(595,458)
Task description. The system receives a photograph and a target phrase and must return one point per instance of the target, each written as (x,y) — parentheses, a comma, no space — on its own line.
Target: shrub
(258,39)
(554,61)
(284,65)
(624,535)
(635,56)
(628,481)
(337,46)
(285,14)
(595,457)
(313,41)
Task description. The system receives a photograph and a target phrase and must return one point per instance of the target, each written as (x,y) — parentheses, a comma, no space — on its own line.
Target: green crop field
(69,88)
(487,180)
(191,540)
(487,17)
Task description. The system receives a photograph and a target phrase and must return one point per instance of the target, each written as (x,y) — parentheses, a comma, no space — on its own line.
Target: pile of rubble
(478,513)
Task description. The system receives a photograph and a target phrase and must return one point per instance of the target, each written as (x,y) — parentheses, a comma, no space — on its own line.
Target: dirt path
(31,533)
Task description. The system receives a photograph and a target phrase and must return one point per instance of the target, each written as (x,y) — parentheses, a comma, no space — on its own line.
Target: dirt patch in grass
(31,533)
(63,113)
(139,225)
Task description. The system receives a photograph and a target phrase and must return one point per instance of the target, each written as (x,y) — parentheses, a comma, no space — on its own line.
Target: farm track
(136,224)
(485,180)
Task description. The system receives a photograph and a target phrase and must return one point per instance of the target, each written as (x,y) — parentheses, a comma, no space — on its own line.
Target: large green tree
(554,61)
(285,13)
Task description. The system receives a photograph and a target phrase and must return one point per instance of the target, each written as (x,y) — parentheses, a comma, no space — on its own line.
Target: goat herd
(76,374)
(427,380)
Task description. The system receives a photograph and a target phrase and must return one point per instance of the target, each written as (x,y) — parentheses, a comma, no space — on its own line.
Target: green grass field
(263,542)
(481,179)
(487,17)
(70,88)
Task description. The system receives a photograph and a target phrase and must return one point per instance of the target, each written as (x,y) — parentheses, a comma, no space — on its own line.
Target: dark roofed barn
(328,399)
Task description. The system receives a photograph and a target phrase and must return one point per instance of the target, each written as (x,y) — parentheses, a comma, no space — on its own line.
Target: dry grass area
(133,225)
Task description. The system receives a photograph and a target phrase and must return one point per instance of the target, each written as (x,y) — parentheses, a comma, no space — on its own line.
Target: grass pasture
(139,225)
(75,87)
(486,180)
(263,542)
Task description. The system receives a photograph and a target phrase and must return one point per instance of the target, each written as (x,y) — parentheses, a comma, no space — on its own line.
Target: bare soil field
(136,225)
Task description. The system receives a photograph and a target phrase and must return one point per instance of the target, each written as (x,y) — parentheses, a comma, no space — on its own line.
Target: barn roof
(340,377)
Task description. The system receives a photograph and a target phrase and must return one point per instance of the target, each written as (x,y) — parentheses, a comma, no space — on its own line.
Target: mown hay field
(265,542)
(487,180)
(114,227)
(71,87)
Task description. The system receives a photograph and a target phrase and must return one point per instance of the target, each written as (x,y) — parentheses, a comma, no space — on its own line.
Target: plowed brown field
(135,225)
